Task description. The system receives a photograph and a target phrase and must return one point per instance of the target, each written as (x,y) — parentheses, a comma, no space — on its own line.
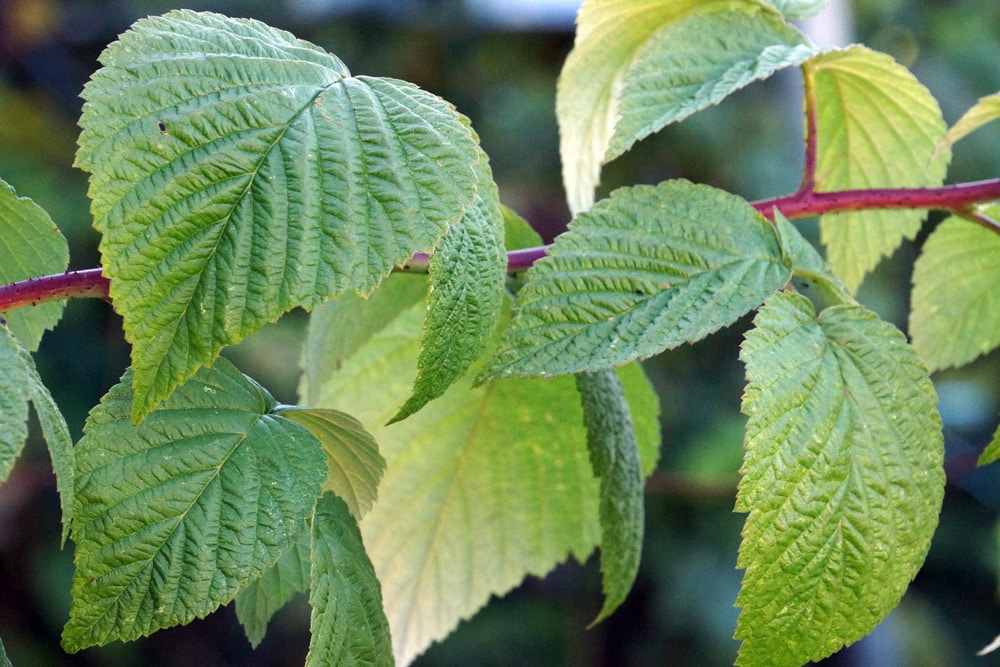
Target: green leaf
(842,478)
(57,439)
(637,66)
(643,271)
(4,660)
(483,487)
(355,465)
(31,246)
(955,315)
(342,327)
(876,127)
(816,278)
(798,9)
(13,400)
(614,456)
(258,602)
(518,232)
(237,172)
(467,272)
(992,451)
(348,624)
(986,110)
(19,383)
(175,515)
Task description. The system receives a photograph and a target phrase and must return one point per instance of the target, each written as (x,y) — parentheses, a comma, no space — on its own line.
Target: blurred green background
(502,75)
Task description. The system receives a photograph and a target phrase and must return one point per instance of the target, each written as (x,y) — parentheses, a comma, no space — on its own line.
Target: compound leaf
(483,486)
(842,478)
(876,127)
(237,172)
(637,66)
(643,271)
(956,294)
(614,456)
(31,246)
(258,602)
(348,624)
(173,516)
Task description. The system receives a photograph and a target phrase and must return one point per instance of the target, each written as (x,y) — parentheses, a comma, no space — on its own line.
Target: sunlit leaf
(31,246)
(643,271)
(237,172)
(348,624)
(258,602)
(876,127)
(638,65)
(842,478)
(955,313)
(175,515)
(986,110)
(483,487)
(615,459)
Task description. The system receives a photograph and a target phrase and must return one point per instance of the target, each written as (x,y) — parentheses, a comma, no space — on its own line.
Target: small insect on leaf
(162,127)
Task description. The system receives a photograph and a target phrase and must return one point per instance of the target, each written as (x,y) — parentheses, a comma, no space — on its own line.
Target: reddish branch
(958,199)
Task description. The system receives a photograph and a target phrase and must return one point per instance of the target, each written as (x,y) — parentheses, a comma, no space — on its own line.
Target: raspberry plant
(476,411)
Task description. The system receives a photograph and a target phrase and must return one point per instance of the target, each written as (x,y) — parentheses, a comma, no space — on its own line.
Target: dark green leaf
(13,400)
(467,273)
(258,602)
(348,624)
(614,456)
(173,516)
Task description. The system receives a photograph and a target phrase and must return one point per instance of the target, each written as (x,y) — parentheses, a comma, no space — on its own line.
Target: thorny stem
(960,199)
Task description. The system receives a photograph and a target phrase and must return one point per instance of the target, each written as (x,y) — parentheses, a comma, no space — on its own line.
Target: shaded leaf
(955,314)
(483,486)
(637,66)
(614,456)
(4,660)
(173,516)
(31,246)
(258,602)
(19,383)
(354,462)
(465,297)
(237,172)
(842,478)
(643,271)
(348,624)
(876,127)
(13,401)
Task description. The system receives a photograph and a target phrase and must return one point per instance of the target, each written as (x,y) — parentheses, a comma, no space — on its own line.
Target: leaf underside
(637,66)
(955,315)
(842,478)
(876,127)
(482,486)
(237,172)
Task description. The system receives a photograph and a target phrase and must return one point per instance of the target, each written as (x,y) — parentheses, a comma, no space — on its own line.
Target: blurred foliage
(680,612)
